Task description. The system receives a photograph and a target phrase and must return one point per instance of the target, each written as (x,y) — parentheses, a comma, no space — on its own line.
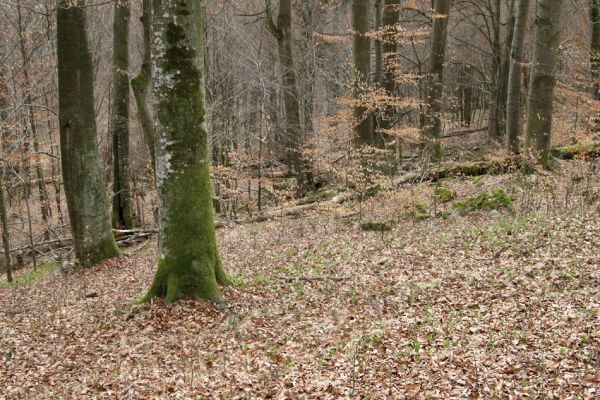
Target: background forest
(405,193)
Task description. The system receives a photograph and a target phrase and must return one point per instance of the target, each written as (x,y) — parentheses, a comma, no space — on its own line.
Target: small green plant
(443,195)
(378,226)
(417,211)
(495,199)
(40,273)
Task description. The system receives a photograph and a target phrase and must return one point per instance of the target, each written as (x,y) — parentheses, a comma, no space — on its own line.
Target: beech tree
(3,216)
(595,48)
(363,118)
(140,84)
(85,190)
(432,130)
(189,265)
(513,107)
(540,100)
(119,118)
(293,137)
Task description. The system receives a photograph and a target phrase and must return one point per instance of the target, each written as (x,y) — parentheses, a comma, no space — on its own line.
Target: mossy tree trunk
(119,117)
(540,99)
(189,265)
(3,218)
(513,106)
(595,48)
(85,189)
(363,118)
(432,129)
(293,139)
(140,85)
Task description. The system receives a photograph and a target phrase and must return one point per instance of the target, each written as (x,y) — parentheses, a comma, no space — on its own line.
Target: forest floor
(489,304)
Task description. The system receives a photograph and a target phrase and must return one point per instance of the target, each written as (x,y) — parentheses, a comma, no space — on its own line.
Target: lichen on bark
(189,265)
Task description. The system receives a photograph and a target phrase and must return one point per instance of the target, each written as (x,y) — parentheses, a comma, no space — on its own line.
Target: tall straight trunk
(540,99)
(363,118)
(377,74)
(85,189)
(43,194)
(189,265)
(389,48)
(503,73)
(119,118)
(595,49)
(432,129)
(3,217)
(293,140)
(140,85)
(513,104)
(493,120)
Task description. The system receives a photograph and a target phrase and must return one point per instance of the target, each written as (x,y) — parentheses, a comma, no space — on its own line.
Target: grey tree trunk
(540,99)
(513,104)
(595,49)
(119,118)
(432,129)
(293,140)
(495,108)
(85,189)
(363,118)
(189,265)
(140,85)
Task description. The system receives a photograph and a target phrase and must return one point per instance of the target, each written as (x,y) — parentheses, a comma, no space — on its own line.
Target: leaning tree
(189,265)
(85,190)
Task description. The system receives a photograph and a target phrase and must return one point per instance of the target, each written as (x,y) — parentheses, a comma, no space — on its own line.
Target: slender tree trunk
(3,218)
(293,140)
(85,190)
(377,75)
(432,130)
(595,49)
(189,265)
(543,79)
(363,118)
(493,123)
(140,85)
(389,48)
(502,92)
(513,106)
(43,194)
(119,118)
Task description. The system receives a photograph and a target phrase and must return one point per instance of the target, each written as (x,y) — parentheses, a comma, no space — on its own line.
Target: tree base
(106,249)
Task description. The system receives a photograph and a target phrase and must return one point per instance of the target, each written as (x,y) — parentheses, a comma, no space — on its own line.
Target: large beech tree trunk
(189,265)
(119,118)
(513,106)
(363,118)
(85,190)
(595,49)
(432,129)
(540,99)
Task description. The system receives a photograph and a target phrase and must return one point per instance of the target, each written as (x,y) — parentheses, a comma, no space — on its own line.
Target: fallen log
(577,151)
(290,279)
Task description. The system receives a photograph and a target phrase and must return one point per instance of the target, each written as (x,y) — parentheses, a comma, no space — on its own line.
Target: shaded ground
(487,305)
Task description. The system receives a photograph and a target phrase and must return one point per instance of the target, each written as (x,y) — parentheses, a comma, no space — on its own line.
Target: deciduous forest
(300,199)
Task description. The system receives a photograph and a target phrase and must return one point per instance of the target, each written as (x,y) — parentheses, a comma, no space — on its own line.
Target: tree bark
(595,48)
(3,217)
(363,118)
(543,79)
(85,190)
(432,129)
(495,107)
(293,139)
(140,85)
(513,106)
(389,48)
(189,265)
(119,118)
